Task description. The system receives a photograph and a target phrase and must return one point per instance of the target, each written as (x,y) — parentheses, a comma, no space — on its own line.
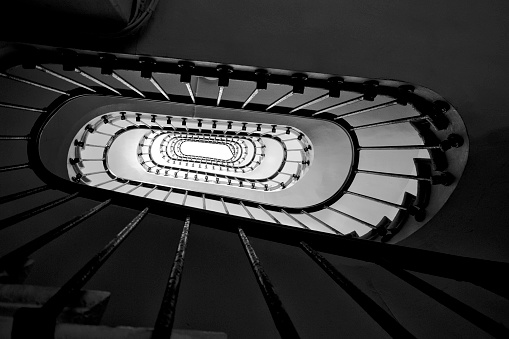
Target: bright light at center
(203,149)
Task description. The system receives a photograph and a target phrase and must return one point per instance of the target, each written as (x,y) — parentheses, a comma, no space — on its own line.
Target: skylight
(206,150)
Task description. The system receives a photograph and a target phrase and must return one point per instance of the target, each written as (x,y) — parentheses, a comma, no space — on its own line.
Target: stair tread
(87,309)
(78,331)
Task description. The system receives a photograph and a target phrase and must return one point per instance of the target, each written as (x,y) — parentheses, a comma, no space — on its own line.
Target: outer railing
(431,112)
(40,322)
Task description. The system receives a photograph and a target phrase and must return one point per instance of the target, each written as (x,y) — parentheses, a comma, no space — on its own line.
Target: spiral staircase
(112,129)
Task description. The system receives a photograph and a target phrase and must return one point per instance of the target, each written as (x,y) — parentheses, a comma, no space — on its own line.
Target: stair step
(19,274)
(78,331)
(423,169)
(380,230)
(87,309)
(400,218)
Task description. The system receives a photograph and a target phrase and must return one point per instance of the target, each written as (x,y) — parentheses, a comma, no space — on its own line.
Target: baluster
(322,222)
(224,206)
(185,198)
(281,318)
(158,125)
(40,322)
(122,185)
(311,102)
(168,194)
(393,175)
(403,147)
(9,221)
(269,214)
(166,316)
(334,92)
(298,88)
(369,109)
(150,191)
(388,203)
(14,137)
(93,145)
(77,160)
(245,209)
(63,77)
(277,135)
(132,123)
(159,88)
(124,82)
(93,173)
(20,107)
(185,76)
(261,84)
(351,217)
(341,104)
(250,97)
(281,99)
(19,195)
(296,220)
(112,124)
(389,122)
(132,189)
(472,315)
(302,162)
(453,140)
(15,257)
(105,182)
(32,83)
(386,321)
(223,81)
(147,65)
(97,81)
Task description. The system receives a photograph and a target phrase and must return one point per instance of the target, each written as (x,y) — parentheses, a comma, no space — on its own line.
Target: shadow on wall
(62,23)
(470,220)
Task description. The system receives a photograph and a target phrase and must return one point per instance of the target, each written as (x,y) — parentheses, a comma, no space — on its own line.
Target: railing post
(63,77)
(281,318)
(223,80)
(480,320)
(166,315)
(23,108)
(4,223)
(33,83)
(19,195)
(14,137)
(40,322)
(185,77)
(15,257)
(13,167)
(387,322)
